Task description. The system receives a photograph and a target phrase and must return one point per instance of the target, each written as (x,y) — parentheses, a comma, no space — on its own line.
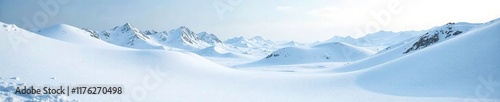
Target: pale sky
(299,20)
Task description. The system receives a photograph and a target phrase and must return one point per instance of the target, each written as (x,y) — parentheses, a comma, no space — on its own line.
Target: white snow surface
(464,66)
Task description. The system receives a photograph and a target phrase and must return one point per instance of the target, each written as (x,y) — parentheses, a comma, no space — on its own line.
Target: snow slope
(327,52)
(12,42)
(465,66)
(440,34)
(37,59)
(75,35)
(433,36)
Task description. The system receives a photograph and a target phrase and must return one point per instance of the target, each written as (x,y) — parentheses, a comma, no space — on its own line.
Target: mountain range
(183,38)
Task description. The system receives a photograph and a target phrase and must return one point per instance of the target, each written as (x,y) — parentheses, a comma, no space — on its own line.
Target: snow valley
(453,62)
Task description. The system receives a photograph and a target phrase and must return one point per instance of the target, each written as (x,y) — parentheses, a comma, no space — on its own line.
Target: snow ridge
(440,34)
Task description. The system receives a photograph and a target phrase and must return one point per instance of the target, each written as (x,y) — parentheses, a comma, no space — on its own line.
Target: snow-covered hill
(75,35)
(465,66)
(433,36)
(327,52)
(13,44)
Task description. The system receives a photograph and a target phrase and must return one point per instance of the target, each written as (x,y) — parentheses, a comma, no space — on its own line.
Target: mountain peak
(209,38)
(127,25)
(183,27)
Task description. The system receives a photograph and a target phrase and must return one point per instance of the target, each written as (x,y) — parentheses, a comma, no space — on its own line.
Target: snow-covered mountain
(254,42)
(156,36)
(184,38)
(381,38)
(440,34)
(209,38)
(261,42)
(238,42)
(327,52)
(127,36)
(181,38)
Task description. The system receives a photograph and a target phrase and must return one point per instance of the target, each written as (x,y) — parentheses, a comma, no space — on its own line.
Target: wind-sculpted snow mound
(466,66)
